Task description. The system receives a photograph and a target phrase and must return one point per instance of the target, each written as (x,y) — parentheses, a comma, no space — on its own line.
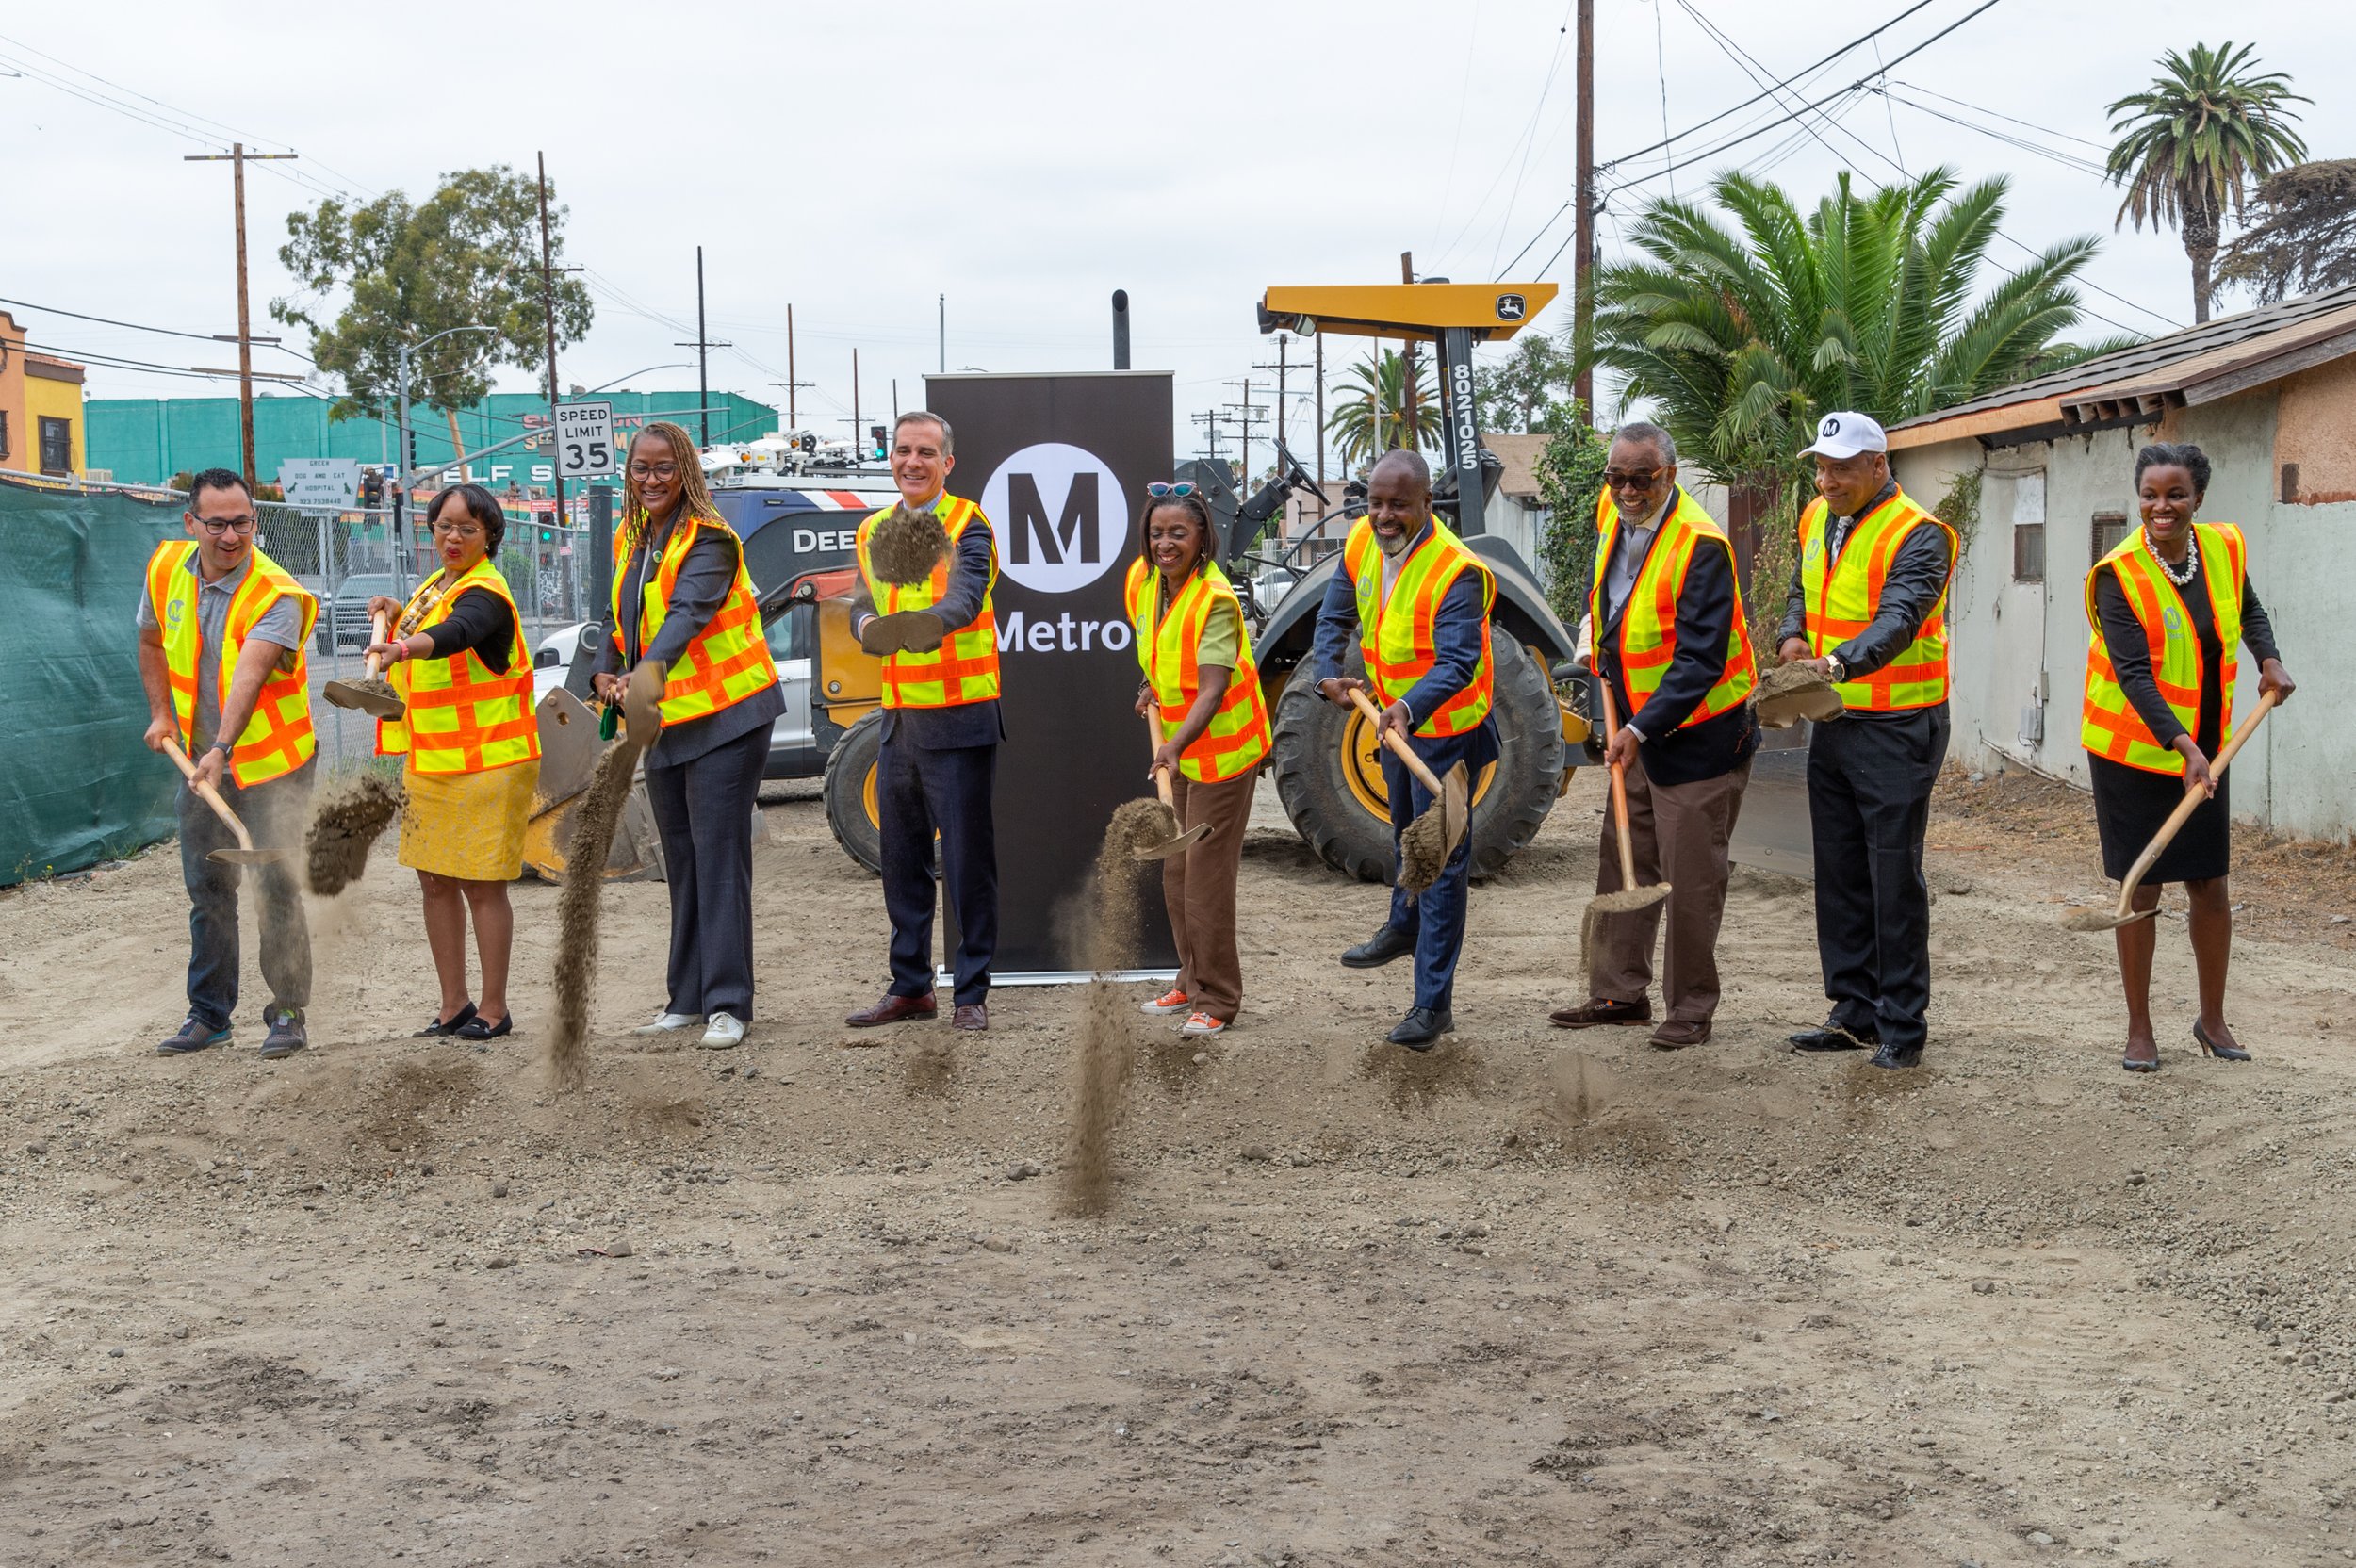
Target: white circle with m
(1061,517)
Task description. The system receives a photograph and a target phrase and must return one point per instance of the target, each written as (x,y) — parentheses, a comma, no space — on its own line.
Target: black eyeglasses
(1163,488)
(219,525)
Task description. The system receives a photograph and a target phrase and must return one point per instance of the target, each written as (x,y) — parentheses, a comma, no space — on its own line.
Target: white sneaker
(726,1034)
(1176,1001)
(665,1023)
(1201,1023)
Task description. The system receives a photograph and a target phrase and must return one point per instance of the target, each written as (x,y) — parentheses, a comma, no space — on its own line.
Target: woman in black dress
(2171,607)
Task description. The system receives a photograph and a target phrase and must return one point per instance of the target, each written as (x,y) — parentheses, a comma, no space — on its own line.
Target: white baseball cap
(1845,435)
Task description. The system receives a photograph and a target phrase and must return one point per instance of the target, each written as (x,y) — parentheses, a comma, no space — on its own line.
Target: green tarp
(77,783)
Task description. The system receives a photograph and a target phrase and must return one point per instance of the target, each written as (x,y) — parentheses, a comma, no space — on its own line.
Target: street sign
(330,484)
(584,440)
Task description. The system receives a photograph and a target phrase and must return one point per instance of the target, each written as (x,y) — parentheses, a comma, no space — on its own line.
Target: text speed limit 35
(584,440)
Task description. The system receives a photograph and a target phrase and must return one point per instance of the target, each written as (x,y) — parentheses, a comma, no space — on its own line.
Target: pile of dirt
(376,687)
(593,819)
(1108,1028)
(344,821)
(907,546)
(1790,693)
(1423,850)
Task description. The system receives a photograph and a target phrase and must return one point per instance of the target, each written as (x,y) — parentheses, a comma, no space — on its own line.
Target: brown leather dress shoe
(974,1015)
(893,1009)
(1599,1012)
(1676,1034)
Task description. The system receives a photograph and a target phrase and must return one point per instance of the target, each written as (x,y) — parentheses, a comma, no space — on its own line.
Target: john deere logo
(1511,307)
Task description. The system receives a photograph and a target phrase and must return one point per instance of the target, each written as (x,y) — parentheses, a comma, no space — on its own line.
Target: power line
(133,326)
(2028,125)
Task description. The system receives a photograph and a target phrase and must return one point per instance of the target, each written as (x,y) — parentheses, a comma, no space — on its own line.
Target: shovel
(1161,782)
(245,854)
(372,695)
(1630,896)
(2111,920)
(1431,840)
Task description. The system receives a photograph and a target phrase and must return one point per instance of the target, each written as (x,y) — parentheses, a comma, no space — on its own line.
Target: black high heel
(2210,1047)
(2133,1066)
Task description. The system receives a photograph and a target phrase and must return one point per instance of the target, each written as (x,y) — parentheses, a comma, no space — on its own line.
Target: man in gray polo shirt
(221,518)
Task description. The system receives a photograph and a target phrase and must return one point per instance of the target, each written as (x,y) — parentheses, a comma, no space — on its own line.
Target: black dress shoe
(1421,1029)
(475,1029)
(1380,949)
(1833,1037)
(2210,1047)
(438,1028)
(1898,1056)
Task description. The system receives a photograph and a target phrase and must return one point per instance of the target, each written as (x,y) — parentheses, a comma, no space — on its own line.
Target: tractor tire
(1329,774)
(852,767)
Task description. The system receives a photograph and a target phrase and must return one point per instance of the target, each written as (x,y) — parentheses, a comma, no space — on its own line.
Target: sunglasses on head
(1163,488)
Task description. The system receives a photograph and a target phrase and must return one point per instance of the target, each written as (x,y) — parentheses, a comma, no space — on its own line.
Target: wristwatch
(221,747)
(1840,670)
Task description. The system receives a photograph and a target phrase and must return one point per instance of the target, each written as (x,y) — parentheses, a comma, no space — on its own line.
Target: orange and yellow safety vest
(2109,725)
(964,669)
(462,716)
(278,738)
(1843,597)
(1648,622)
(728,660)
(1238,738)
(1396,629)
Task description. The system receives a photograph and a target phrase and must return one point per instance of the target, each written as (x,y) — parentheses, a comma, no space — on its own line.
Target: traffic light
(879,441)
(372,488)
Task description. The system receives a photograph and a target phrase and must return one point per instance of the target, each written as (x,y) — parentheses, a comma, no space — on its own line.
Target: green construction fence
(77,783)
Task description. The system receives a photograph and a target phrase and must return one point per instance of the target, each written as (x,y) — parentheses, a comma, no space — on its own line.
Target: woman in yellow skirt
(458,659)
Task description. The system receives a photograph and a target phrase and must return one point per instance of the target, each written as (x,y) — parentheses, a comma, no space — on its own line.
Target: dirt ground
(1541,1298)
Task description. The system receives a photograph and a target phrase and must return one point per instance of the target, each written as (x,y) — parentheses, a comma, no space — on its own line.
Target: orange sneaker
(1172,1001)
(1200,1024)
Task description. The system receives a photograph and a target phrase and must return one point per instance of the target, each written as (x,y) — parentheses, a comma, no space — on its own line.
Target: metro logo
(1061,515)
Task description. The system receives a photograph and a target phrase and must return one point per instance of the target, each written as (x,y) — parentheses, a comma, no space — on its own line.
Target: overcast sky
(1024,159)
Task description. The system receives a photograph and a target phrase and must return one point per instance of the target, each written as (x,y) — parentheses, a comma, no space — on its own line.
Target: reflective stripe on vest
(1842,597)
(2109,725)
(728,660)
(461,716)
(1395,631)
(278,738)
(965,667)
(1648,622)
(1238,738)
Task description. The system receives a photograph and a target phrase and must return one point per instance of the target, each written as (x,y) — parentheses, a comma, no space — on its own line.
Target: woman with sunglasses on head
(2171,608)
(456,655)
(1203,689)
(683,603)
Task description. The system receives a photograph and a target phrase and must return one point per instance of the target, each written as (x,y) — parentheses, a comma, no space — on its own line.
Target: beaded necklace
(2179,577)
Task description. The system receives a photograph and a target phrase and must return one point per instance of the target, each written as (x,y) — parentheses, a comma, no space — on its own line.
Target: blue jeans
(276,814)
(1434,917)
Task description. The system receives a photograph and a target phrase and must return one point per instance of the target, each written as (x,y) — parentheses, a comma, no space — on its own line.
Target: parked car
(344,614)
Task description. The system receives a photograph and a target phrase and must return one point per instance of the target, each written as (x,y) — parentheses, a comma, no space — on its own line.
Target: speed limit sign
(584,440)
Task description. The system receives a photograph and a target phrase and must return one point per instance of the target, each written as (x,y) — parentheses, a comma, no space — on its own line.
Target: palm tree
(2195,139)
(1741,337)
(1371,417)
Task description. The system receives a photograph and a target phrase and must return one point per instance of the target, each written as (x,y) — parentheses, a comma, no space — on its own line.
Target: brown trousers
(1200,888)
(1677,833)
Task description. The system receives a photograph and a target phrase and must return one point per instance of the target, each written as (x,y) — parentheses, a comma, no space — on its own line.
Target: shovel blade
(2104,919)
(1456,807)
(1176,846)
(247,857)
(360,699)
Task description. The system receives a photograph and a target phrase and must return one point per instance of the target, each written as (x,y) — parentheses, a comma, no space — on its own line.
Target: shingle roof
(2199,364)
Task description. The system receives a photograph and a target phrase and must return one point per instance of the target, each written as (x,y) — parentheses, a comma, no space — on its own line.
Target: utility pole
(548,311)
(1284,343)
(703,346)
(238,157)
(1208,419)
(945,335)
(1583,232)
(1320,340)
(858,442)
(792,381)
(1411,406)
(1247,412)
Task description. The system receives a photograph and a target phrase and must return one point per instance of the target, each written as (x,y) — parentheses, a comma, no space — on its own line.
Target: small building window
(4,435)
(57,445)
(2028,552)
(2109,529)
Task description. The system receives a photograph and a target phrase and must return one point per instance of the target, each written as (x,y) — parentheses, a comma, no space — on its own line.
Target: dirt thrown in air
(594,820)
(344,821)
(1108,1023)
(1423,850)
(907,546)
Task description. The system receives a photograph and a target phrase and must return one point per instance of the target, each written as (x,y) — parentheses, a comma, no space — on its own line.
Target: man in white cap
(1866,611)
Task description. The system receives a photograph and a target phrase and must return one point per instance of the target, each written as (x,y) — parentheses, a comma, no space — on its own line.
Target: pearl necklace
(2192,560)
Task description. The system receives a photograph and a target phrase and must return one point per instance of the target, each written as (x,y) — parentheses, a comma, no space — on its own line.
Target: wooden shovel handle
(1619,785)
(378,624)
(2191,802)
(1399,748)
(205,792)
(1161,775)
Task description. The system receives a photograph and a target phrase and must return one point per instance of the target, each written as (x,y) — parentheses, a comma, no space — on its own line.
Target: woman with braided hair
(683,603)
(1203,689)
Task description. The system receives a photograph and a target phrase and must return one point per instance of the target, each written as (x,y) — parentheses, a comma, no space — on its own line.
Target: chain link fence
(349,557)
